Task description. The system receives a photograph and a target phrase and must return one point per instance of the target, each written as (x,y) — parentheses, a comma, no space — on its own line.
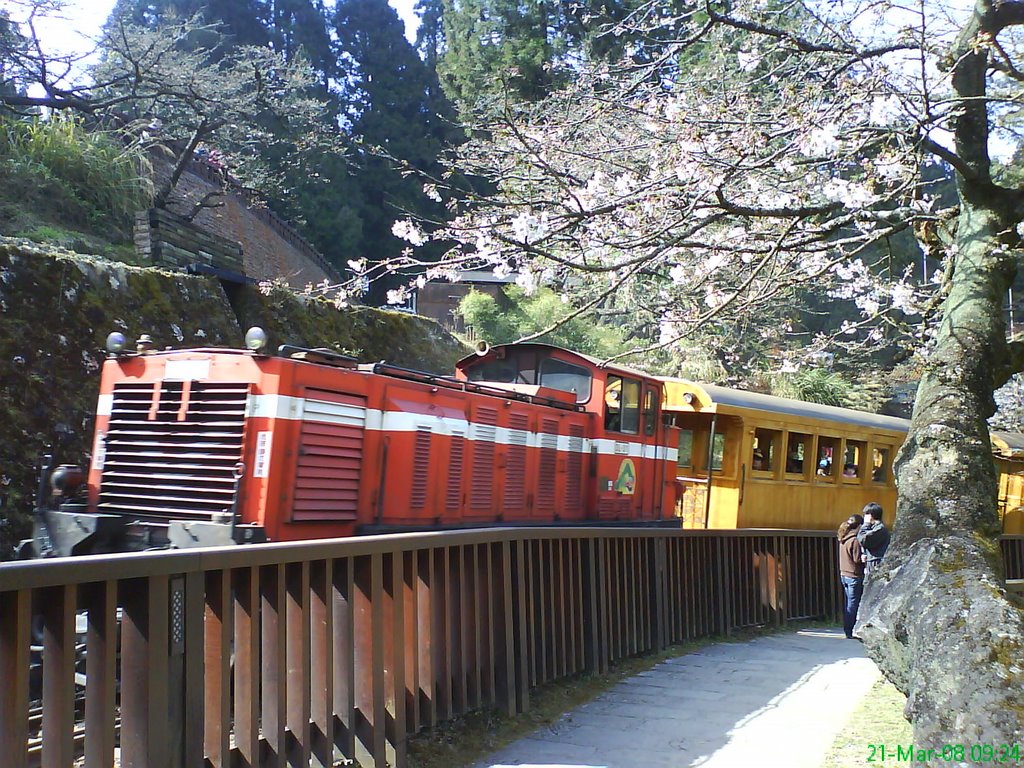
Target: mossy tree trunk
(935,616)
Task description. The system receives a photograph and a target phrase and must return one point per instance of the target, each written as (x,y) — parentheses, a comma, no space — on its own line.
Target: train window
(766,446)
(717,451)
(566,377)
(798,449)
(685,448)
(622,405)
(880,465)
(853,457)
(828,450)
(650,411)
(504,371)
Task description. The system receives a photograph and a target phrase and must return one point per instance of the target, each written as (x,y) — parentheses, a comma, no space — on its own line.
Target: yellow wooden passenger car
(779,463)
(1008,449)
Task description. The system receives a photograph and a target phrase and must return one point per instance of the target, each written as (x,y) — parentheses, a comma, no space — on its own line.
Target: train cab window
(766,449)
(650,414)
(828,451)
(853,457)
(880,465)
(567,377)
(622,405)
(798,451)
(685,459)
(504,371)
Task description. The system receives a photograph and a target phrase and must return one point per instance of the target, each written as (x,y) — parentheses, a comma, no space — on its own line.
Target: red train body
(210,446)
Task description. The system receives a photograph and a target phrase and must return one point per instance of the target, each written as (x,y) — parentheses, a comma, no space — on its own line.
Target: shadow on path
(777,700)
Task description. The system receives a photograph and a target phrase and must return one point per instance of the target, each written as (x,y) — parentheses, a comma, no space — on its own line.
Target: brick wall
(271,248)
(164,239)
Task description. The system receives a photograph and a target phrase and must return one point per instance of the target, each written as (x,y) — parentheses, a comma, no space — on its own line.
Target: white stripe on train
(308,409)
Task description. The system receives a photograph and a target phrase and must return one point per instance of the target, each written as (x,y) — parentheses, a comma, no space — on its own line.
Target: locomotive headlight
(255,339)
(116,342)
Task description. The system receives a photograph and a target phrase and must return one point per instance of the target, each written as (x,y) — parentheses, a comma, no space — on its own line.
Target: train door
(651,482)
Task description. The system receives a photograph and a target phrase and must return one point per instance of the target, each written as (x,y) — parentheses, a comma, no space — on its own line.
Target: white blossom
(529,281)
(852,194)
(748,60)
(903,298)
(885,110)
(890,168)
(714,298)
(868,304)
(404,229)
(713,262)
(529,228)
(820,141)
(398,295)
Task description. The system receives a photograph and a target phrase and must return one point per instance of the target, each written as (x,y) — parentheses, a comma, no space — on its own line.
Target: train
(781,463)
(207,447)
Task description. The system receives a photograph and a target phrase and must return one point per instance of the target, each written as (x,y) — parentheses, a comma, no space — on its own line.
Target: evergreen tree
(499,47)
(243,21)
(393,109)
(13,48)
(290,27)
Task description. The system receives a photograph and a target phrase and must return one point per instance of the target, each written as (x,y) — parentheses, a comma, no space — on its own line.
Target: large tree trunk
(936,617)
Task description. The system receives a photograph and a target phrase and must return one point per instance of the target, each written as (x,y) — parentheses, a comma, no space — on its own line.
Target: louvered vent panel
(481,494)
(420,468)
(573,480)
(548,463)
(515,469)
(330,457)
(453,498)
(172,448)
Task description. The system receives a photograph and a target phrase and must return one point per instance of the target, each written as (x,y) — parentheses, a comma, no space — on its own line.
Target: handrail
(324,651)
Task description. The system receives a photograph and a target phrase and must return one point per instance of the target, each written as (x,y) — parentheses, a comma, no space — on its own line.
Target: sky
(83,19)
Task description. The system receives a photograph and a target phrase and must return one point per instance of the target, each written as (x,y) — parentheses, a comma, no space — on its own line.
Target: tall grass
(814,385)
(110,178)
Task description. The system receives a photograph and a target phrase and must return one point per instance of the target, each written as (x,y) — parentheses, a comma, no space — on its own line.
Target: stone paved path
(773,701)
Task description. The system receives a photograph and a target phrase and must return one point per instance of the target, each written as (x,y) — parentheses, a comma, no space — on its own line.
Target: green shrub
(112,179)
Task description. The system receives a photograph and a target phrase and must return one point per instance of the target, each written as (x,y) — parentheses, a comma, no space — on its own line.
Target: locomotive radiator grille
(172,448)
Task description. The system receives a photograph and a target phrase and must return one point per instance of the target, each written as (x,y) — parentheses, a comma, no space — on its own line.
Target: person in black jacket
(873,537)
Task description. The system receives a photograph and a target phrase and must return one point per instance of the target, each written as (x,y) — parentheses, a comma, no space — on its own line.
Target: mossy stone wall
(57,307)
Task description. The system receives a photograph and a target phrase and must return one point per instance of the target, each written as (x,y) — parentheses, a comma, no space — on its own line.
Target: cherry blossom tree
(776,150)
(687,198)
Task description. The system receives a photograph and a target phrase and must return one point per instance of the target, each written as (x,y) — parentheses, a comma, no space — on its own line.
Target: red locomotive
(209,446)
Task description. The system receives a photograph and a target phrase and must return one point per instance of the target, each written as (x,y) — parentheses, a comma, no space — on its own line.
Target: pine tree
(499,47)
(243,21)
(394,110)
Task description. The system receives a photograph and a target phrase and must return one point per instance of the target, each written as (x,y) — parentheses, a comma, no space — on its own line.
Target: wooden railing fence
(334,652)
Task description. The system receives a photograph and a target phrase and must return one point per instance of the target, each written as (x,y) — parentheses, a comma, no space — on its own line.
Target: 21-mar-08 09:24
(952,753)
